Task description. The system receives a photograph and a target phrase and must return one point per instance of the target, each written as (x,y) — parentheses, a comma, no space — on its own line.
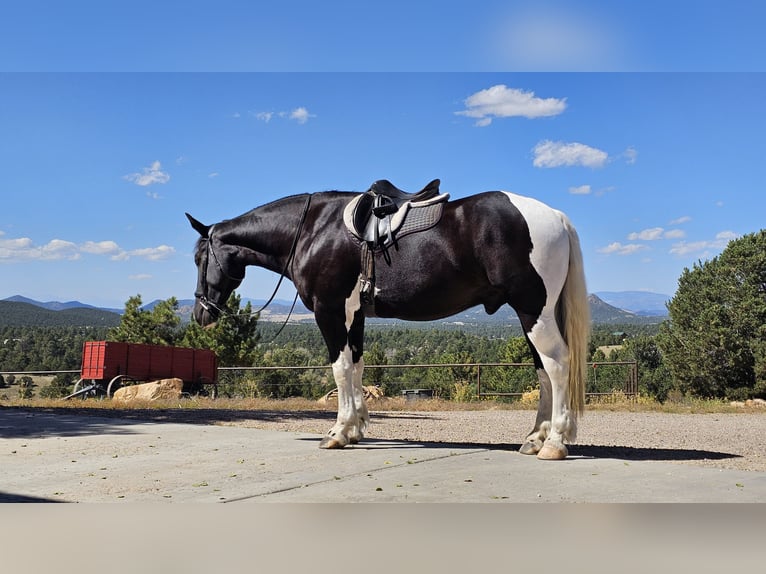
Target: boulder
(371,393)
(162,389)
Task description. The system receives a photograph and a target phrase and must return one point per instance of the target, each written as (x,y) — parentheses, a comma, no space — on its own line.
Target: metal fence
(619,376)
(488,379)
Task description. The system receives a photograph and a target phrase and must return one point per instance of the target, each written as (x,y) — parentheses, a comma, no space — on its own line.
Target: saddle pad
(420,218)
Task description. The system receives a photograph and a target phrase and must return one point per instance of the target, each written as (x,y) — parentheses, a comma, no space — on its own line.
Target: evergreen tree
(234,338)
(715,340)
(160,326)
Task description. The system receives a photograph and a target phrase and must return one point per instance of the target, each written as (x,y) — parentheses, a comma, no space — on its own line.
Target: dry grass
(616,402)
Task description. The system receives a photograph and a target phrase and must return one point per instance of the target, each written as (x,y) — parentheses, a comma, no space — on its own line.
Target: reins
(207,303)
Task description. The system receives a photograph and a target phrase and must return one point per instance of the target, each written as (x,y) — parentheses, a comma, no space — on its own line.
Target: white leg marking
(550,258)
(554,355)
(353,417)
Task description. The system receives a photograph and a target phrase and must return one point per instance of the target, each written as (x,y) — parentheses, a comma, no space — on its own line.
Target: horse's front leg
(346,348)
(343,431)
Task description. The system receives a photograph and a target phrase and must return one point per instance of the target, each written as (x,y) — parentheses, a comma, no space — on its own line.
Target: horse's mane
(200,244)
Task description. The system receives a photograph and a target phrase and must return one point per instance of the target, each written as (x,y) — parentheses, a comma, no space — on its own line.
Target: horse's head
(220,270)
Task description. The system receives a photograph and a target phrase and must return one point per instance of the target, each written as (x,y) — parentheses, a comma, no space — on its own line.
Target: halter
(207,303)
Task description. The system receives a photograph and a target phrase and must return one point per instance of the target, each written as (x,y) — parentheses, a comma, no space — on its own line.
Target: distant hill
(57,305)
(16,314)
(643,303)
(276,312)
(22,311)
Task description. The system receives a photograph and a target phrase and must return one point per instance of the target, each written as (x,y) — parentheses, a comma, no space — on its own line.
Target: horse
(492,248)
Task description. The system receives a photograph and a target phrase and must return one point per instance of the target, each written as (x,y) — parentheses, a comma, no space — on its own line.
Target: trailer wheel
(78,386)
(82,390)
(115,384)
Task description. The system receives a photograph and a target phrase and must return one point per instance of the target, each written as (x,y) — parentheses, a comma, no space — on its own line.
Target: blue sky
(105,144)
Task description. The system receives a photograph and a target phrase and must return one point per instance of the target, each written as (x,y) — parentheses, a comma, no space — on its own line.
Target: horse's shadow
(576,452)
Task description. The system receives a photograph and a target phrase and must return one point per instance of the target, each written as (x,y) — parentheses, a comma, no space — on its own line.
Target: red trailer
(108,365)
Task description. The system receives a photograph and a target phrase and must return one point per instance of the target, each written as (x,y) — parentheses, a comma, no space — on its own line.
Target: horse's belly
(411,300)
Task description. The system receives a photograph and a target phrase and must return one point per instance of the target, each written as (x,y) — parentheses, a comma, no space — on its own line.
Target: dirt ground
(723,440)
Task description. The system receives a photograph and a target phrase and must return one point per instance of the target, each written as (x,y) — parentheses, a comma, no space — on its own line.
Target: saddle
(385,212)
(381,215)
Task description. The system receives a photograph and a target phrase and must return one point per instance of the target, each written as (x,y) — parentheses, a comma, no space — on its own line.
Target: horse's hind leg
(555,421)
(536,438)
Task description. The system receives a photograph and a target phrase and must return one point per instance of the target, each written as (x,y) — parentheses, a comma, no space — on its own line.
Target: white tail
(575,313)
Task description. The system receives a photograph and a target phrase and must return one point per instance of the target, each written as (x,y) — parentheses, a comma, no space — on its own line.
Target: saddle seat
(387,189)
(379,214)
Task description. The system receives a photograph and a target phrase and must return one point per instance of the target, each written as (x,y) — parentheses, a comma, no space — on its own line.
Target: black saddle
(387,189)
(383,210)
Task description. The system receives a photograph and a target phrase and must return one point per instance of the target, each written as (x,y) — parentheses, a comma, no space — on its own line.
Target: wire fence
(452,381)
(443,380)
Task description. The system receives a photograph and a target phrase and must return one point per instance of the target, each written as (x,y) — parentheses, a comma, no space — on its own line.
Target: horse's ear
(201,228)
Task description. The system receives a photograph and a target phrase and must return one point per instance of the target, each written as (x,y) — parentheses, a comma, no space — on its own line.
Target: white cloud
(503,102)
(630,155)
(139,277)
(680,220)
(647,234)
(149,175)
(301,115)
(154,253)
(618,248)
(580,190)
(703,248)
(264,116)
(674,234)
(213,175)
(101,247)
(656,233)
(558,154)
(59,249)
(24,249)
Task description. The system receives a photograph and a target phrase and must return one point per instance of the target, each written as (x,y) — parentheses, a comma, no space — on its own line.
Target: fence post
(478,380)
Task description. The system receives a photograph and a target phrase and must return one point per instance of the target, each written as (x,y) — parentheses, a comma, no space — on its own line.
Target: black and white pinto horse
(487,249)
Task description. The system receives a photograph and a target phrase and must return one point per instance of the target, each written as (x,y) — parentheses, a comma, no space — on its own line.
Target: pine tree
(715,340)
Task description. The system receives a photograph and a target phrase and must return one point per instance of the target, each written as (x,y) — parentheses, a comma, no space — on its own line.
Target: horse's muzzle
(204,315)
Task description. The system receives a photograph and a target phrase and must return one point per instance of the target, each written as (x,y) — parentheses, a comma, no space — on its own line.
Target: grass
(617,402)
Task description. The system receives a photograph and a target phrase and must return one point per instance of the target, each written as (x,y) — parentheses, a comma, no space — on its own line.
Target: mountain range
(607,307)
(643,303)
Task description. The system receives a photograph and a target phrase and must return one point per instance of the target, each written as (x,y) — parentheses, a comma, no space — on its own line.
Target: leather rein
(207,304)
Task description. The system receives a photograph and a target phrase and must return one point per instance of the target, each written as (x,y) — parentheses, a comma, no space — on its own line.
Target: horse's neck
(266,232)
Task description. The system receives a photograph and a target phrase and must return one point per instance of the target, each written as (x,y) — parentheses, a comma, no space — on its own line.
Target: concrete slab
(72,458)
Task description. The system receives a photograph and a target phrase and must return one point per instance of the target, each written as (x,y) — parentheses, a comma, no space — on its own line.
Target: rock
(757,403)
(371,393)
(163,389)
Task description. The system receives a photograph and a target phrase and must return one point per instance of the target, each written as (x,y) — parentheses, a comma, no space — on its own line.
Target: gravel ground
(720,440)
(735,441)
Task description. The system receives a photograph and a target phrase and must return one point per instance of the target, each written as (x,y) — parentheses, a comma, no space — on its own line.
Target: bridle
(208,304)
